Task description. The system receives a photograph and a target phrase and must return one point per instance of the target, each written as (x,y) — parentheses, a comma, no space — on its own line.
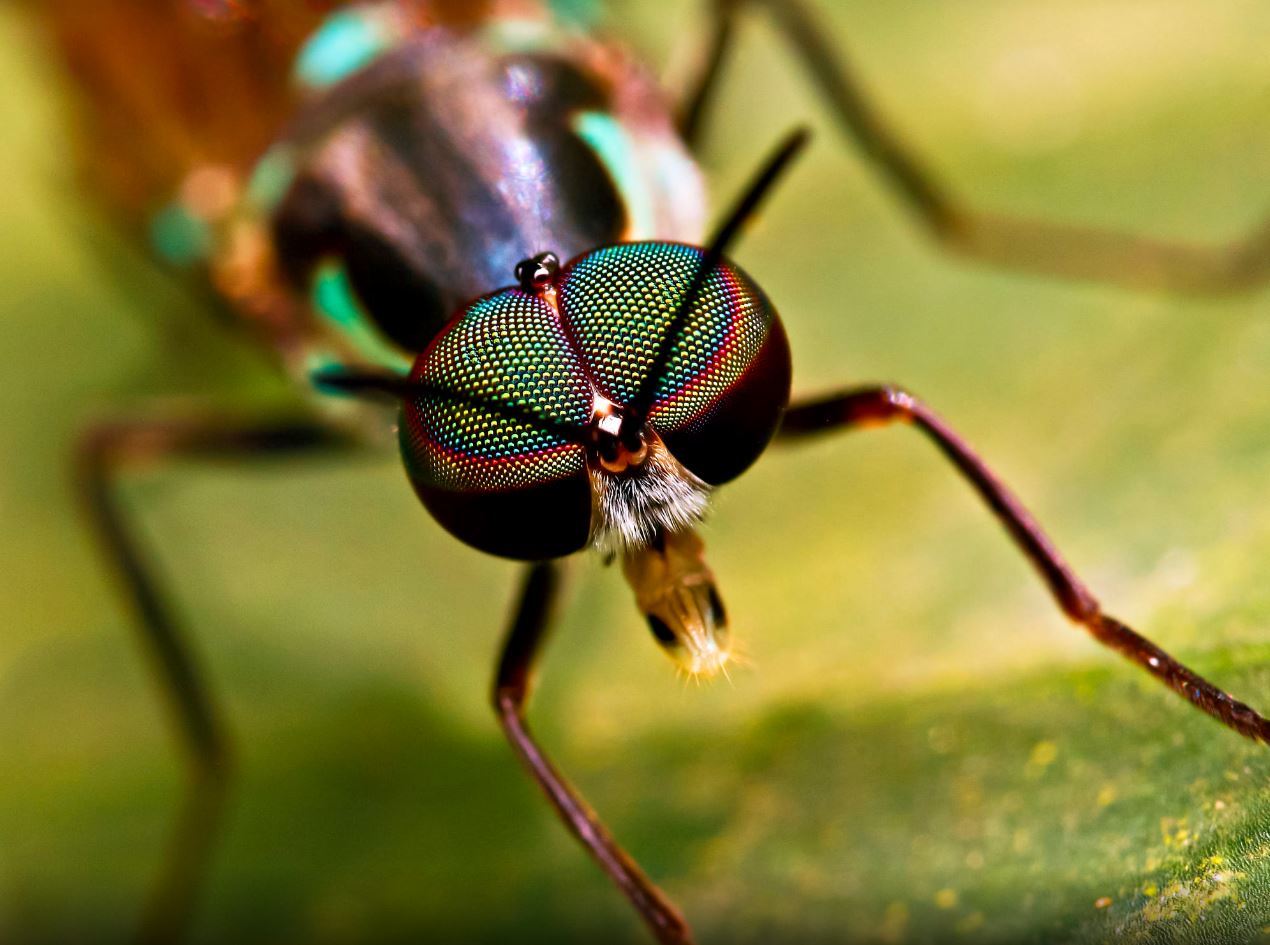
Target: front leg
(511,691)
(105,452)
(1065,251)
(872,406)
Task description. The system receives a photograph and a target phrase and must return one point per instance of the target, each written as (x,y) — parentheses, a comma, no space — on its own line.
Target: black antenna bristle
(396,387)
(742,212)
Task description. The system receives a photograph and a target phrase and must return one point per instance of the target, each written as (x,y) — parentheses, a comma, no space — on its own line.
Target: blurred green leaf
(923,751)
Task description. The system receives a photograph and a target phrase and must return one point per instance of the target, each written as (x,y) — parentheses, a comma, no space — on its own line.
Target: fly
(495,222)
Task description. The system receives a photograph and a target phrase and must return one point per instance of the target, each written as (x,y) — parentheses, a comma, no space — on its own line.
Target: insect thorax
(420,180)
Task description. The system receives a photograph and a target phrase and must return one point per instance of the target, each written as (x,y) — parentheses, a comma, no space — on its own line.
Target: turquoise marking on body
(335,300)
(270,178)
(346,42)
(583,14)
(605,136)
(320,361)
(179,237)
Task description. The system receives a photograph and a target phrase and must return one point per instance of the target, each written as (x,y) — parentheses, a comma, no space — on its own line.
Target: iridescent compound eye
(509,464)
(494,481)
(723,391)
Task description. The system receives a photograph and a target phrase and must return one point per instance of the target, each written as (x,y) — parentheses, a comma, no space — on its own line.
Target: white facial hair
(659,495)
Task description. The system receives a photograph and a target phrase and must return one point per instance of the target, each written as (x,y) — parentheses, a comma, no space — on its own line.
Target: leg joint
(508,699)
(900,400)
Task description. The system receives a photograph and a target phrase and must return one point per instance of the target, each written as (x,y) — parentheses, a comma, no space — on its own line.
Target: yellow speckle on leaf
(1041,757)
(1043,754)
(946,898)
(1102,902)
(894,923)
(1106,795)
(1191,899)
(1020,841)
(1175,832)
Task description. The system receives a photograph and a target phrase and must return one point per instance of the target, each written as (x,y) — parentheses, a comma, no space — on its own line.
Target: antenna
(396,387)
(742,211)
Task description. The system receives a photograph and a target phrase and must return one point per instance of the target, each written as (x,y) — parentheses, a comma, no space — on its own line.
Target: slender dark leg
(1034,245)
(873,406)
(511,691)
(700,95)
(103,452)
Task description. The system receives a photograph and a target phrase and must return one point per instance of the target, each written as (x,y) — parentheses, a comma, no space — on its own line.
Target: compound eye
(497,480)
(723,391)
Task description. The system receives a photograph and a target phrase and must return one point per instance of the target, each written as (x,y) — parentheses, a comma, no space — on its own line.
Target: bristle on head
(660,496)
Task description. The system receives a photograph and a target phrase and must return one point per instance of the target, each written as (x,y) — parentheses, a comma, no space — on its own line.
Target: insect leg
(1029,244)
(511,691)
(872,406)
(104,451)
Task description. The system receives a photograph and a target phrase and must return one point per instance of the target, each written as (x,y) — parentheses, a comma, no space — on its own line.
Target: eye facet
(727,381)
(526,393)
(502,484)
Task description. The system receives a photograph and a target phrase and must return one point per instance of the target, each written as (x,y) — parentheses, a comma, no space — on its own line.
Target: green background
(923,750)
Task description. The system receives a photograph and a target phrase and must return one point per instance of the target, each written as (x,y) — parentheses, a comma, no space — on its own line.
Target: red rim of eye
(515,492)
(716,429)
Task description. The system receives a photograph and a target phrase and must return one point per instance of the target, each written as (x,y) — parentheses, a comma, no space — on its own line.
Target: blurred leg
(104,451)
(1033,245)
(511,691)
(872,406)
